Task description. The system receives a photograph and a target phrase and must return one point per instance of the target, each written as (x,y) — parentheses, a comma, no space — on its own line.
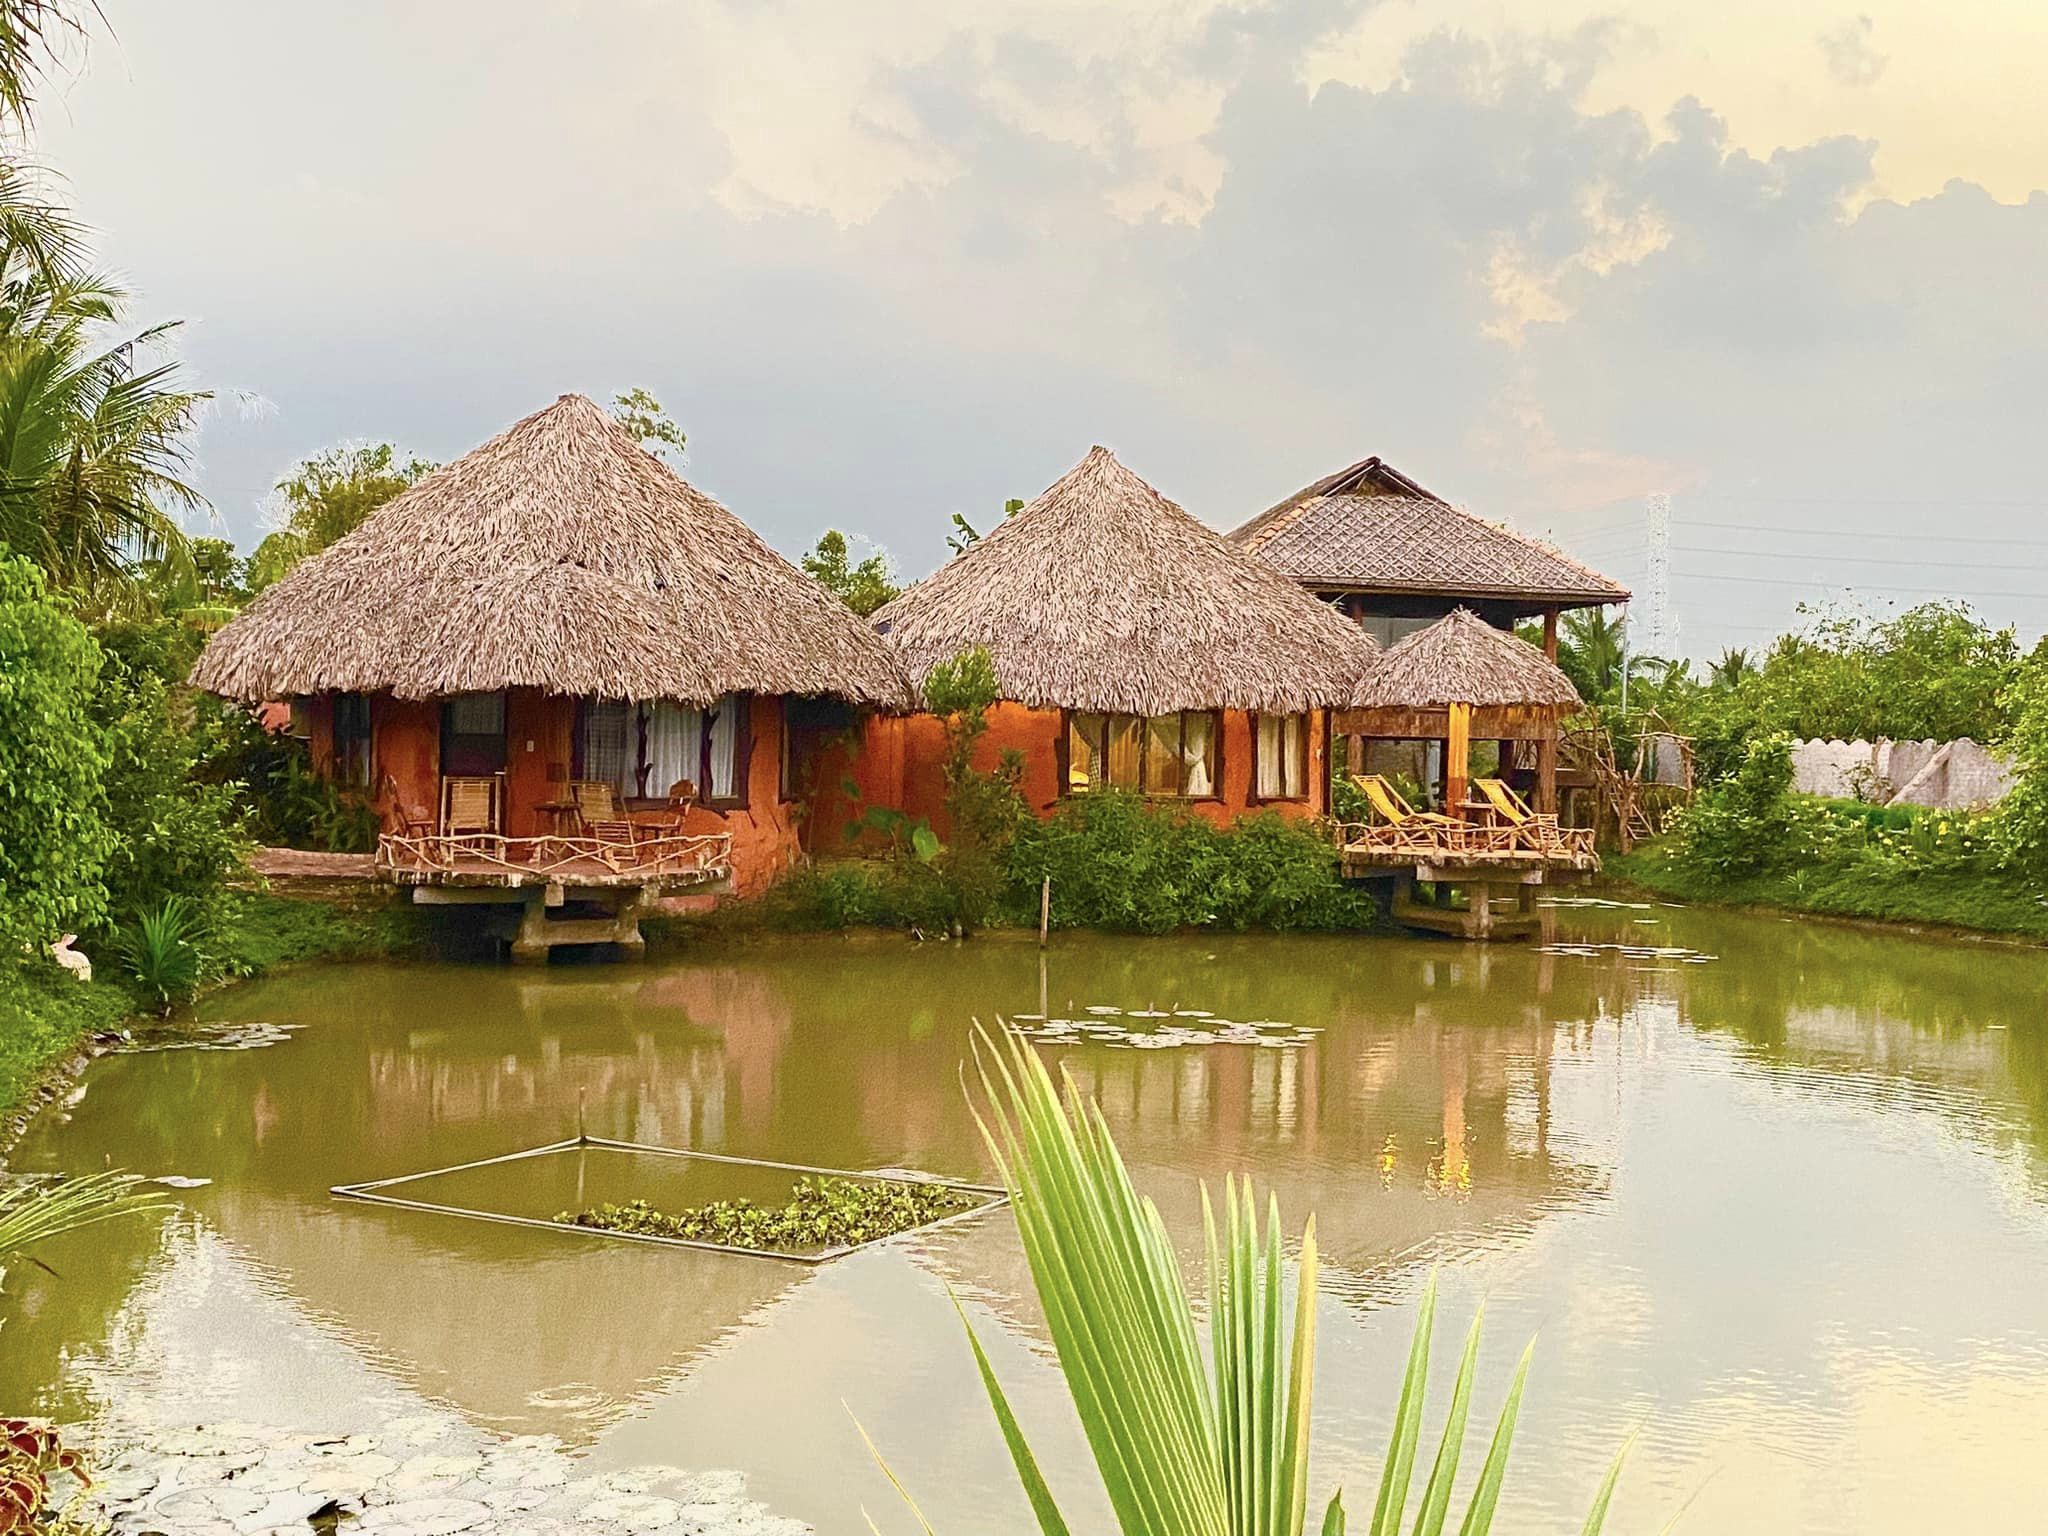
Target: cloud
(1851,60)
(882,273)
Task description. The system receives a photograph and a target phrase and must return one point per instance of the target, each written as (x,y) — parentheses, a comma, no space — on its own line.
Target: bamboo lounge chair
(1536,831)
(1403,828)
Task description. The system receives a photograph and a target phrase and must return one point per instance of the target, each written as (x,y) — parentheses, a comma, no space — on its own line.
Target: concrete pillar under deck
(538,933)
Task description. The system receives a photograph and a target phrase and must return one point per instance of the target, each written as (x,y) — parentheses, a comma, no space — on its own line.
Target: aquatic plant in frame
(629,1191)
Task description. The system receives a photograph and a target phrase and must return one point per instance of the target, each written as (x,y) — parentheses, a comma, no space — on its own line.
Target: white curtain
(1198,743)
(725,740)
(675,738)
(1272,749)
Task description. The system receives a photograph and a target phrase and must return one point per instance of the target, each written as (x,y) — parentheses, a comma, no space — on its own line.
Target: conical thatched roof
(1104,595)
(560,555)
(1462,659)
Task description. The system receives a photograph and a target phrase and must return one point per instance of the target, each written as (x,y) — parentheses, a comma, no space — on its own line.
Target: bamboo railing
(702,856)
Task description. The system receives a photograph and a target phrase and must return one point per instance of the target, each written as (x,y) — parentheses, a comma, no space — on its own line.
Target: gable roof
(559,555)
(1462,659)
(1369,528)
(1103,595)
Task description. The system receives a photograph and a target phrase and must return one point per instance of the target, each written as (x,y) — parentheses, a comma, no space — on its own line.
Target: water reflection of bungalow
(1134,647)
(556,662)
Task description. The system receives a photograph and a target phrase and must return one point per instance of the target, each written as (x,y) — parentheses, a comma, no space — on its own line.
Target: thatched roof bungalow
(558,606)
(1133,647)
(1463,680)
(1396,556)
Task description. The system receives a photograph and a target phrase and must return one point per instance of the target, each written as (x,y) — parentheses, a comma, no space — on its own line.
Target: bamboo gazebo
(1134,648)
(1460,682)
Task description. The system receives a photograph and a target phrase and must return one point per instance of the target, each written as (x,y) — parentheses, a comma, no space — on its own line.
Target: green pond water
(1770,1193)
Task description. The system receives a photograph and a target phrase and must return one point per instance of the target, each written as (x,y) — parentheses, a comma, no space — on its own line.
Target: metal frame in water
(371,1190)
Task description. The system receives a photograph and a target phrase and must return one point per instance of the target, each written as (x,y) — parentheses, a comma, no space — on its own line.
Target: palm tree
(31,32)
(1591,650)
(1733,666)
(93,451)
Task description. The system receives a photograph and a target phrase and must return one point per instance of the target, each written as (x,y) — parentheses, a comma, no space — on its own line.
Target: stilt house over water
(555,632)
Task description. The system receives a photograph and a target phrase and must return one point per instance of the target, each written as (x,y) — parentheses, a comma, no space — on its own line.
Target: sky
(1777,262)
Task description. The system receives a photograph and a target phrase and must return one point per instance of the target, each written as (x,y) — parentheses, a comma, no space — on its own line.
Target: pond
(1770,1193)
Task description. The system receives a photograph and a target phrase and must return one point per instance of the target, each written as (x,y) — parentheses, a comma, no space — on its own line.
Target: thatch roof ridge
(560,555)
(1102,594)
(1462,659)
(1398,536)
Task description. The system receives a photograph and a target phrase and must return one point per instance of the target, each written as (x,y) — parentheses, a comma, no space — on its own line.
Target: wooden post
(1044,910)
(1457,758)
(1550,633)
(1546,770)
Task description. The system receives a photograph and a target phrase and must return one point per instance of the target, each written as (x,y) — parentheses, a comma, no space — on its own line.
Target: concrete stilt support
(530,943)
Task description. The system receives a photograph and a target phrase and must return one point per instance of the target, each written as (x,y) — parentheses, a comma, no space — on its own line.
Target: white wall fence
(1946,775)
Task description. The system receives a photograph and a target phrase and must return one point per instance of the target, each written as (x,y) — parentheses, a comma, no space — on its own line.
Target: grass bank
(1980,903)
(47,1019)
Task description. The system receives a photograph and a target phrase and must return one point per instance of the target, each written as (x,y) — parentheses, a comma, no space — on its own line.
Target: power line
(1947,565)
(1861,533)
(1797,581)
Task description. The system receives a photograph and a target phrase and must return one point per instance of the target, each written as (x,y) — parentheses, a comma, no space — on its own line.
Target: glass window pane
(476,714)
(1198,749)
(1087,746)
(605,728)
(1124,742)
(1162,755)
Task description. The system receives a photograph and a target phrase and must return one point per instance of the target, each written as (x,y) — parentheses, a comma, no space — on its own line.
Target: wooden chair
(1404,828)
(608,833)
(472,814)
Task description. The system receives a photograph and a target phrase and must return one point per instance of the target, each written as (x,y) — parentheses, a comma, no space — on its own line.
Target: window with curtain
(352,740)
(1282,758)
(646,749)
(1167,756)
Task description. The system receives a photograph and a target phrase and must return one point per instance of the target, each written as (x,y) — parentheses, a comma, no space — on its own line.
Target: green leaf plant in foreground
(1184,1446)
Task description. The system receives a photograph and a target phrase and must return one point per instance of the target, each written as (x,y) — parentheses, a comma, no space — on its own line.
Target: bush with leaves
(2020,823)
(162,952)
(174,833)
(1117,861)
(54,761)
(984,808)
(1751,823)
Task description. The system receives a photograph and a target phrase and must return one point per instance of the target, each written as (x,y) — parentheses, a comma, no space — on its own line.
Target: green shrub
(271,776)
(162,952)
(1750,823)
(54,839)
(1119,862)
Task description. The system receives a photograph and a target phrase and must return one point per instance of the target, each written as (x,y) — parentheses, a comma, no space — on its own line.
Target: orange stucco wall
(539,753)
(901,764)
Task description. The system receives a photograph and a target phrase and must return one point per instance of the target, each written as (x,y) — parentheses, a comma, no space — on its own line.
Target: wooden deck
(1482,880)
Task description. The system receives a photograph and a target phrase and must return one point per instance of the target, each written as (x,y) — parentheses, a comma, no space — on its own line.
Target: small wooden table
(563,817)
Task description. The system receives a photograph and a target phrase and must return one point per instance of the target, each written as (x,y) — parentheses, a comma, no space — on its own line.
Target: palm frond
(1185,1449)
(32,1214)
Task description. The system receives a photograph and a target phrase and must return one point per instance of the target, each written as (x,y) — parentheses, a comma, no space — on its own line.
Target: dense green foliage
(54,836)
(1121,863)
(984,810)
(822,1211)
(2021,821)
(863,585)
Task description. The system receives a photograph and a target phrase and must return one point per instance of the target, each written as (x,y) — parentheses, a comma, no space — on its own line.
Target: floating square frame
(375,1192)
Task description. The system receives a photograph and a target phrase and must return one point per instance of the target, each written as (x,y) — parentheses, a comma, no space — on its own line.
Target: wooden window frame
(1258,795)
(339,746)
(742,755)
(1064,754)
